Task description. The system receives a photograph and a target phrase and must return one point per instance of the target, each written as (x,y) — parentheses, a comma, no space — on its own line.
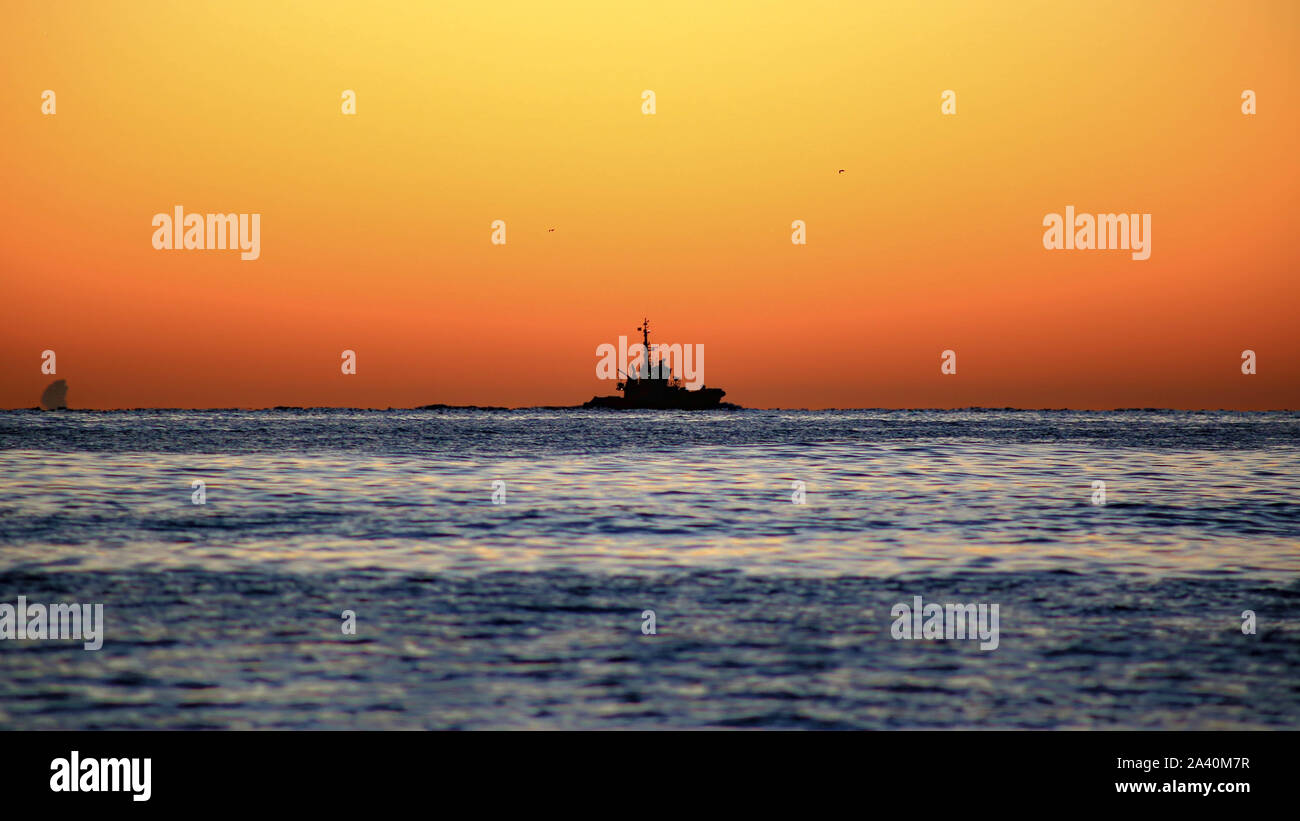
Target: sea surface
(768,613)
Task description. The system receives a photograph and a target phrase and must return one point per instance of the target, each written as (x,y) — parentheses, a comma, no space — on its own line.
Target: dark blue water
(769,613)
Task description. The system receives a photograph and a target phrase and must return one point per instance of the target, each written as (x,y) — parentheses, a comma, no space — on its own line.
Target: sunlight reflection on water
(953,493)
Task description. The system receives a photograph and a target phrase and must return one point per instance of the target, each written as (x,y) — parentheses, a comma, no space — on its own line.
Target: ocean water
(769,614)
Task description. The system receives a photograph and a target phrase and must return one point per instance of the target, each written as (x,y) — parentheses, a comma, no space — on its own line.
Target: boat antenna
(645,342)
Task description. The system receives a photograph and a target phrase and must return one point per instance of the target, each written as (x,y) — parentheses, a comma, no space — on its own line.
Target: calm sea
(768,612)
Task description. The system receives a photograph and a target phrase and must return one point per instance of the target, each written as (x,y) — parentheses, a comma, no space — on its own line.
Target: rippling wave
(772,613)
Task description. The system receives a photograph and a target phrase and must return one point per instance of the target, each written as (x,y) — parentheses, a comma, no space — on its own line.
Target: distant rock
(55,396)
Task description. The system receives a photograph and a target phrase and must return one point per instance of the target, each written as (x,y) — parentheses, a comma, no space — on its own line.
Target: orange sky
(376,227)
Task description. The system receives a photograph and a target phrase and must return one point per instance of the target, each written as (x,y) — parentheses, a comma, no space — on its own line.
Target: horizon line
(441,406)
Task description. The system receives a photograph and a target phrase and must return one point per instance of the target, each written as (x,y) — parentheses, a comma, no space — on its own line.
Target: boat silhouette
(654,388)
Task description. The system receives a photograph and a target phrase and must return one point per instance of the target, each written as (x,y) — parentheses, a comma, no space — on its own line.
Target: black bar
(603,773)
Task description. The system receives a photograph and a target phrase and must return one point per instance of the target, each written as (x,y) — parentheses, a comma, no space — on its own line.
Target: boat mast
(645,342)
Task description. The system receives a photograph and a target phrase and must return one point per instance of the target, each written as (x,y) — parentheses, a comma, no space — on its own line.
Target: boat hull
(703,399)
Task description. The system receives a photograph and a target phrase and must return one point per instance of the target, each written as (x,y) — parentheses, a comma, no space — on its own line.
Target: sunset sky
(375,228)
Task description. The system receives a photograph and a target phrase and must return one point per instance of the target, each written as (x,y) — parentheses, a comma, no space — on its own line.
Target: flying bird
(841,171)
(550,229)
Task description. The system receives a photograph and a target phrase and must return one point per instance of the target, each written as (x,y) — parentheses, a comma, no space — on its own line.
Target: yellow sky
(376,227)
